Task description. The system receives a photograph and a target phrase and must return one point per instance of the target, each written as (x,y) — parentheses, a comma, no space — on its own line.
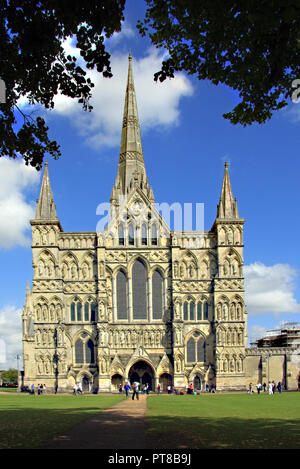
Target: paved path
(120,427)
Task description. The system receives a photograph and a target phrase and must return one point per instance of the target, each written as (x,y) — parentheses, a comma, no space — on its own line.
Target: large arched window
(84,349)
(157,295)
(196,348)
(139,290)
(76,310)
(121,295)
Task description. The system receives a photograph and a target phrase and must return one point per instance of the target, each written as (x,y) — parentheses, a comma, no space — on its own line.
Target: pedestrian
(250,388)
(147,388)
(32,389)
(265,387)
(158,389)
(55,388)
(273,386)
(258,388)
(279,387)
(120,389)
(270,388)
(169,389)
(135,387)
(80,388)
(75,388)
(126,389)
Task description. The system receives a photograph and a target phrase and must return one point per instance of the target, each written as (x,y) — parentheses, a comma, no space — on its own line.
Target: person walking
(126,389)
(270,388)
(135,387)
(279,387)
(158,389)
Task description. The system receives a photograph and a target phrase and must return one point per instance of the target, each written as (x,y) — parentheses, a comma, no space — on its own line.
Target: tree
(10,376)
(34,64)
(253,46)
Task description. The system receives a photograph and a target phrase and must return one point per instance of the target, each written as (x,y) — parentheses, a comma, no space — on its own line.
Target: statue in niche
(229,237)
(177,311)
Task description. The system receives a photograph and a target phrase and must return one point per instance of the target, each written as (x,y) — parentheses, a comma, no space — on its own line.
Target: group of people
(271,388)
(135,388)
(77,389)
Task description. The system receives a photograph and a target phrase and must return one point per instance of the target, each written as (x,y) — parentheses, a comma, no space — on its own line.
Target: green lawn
(26,420)
(224,421)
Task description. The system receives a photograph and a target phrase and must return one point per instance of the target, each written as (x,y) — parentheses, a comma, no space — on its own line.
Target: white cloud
(270,289)
(158,103)
(10,336)
(15,180)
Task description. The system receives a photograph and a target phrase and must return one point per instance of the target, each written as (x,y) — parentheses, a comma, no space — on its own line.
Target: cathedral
(135,301)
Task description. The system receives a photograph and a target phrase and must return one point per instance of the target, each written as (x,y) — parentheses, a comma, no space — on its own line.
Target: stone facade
(136,301)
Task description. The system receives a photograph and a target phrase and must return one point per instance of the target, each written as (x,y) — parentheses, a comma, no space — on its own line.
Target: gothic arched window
(199,311)
(121,235)
(154,235)
(84,349)
(157,295)
(76,310)
(139,290)
(90,310)
(196,348)
(189,309)
(191,350)
(79,351)
(205,310)
(144,234)
(131,234)
(121,295)
(89,351)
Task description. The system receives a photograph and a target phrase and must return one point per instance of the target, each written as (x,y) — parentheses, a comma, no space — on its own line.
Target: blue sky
(186,142)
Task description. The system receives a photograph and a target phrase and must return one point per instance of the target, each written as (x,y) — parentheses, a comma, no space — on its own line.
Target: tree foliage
(251,45)
(10,376)
(34,64)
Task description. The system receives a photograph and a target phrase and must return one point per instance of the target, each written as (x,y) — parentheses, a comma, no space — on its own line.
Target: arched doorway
(143,373)
(197,383)
(165,380)
(116,380)
(85,382)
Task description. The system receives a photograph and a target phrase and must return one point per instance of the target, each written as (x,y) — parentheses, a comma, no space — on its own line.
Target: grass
(26,420)
(224,421)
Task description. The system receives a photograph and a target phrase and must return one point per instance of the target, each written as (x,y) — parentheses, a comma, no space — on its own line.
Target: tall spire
(227,207)
(131,169)
(45,209)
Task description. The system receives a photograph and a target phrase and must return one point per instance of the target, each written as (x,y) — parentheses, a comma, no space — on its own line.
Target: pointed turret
(45,209)
(227,207)
(131,168)
(27,297)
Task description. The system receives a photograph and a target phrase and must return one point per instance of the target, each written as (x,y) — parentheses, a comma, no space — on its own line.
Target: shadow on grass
(166,432)
(28,422)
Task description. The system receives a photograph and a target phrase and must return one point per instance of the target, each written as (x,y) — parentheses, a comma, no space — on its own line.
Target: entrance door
(197,383)
(143,373)
(85,384)
(165,380)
